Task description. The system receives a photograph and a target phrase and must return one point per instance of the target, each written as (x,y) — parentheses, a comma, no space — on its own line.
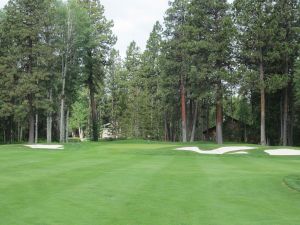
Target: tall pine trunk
(219,115)
(36,128)
(262,102)
(21,134)
(30,97)
(285,118)
(195,116)
(49,121)
(4,136)
(166,127)
(81,133)
(281,117)
(62,104)
(207,122)
(67,126)
(18,132)
(49,128)
(291,126)
(93,105)
(286,106)
(62,126)
(183,111)
(94,119)
(245,134)
(31,128)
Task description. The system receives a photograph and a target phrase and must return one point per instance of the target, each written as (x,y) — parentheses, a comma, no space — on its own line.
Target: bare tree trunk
(62,131)
(195,116)
(113,119)
(286,106)
(81,133)
(62,104)
(262,102)
(291,118)
(166,126)
(171,129)
(11,131)
(4,136)
(19,131)
(281,117)
(67,126)
(49,121)
(202,121)
(207,122)
(219,115)
(291,133)
(245,134)
(31,111)
(49,128)
(93,114)
(151,114)
(285,117)
(36,128)
(183,111)
(31,128)
(21,134)
(189,119)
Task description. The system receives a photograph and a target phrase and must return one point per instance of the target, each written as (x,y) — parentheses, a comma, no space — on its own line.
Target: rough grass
(144,183)
(293,182)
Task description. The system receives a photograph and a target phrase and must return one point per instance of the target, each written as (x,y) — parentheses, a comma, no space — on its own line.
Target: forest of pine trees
(210,60)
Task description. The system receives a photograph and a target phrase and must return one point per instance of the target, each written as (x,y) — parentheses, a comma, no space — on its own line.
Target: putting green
(142,183)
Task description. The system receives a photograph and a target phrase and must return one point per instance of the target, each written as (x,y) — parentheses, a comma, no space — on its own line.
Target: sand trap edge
(49,147)
(218,151)
(283,152)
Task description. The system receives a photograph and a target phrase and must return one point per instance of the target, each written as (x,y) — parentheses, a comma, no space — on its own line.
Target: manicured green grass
(143,183)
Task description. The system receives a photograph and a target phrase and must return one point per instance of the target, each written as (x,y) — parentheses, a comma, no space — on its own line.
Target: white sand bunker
(239,153)
(191,149)
(45,146)
(218,151)
(283,152)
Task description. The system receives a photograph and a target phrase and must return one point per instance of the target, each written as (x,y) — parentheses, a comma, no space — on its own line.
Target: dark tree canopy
(210,63)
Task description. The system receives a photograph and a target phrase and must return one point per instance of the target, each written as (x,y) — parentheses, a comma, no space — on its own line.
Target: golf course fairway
(145,183)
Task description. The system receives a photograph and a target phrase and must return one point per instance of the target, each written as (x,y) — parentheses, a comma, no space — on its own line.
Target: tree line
(49,50)
(209,60)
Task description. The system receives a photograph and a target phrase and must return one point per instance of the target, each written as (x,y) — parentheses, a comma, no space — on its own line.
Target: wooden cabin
(233,130)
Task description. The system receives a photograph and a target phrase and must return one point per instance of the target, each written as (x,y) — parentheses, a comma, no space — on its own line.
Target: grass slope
(136,182)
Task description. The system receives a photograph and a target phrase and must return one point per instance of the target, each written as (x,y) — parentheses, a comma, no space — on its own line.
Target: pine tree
(213,38)
(6,79)
(98,42)
(24,26)
(116,96)
(79,114)
(176,52)
(254,23)
(151,72)
(288,22)
(134,83)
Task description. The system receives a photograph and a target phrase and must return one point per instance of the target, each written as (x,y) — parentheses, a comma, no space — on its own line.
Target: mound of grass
(293,182)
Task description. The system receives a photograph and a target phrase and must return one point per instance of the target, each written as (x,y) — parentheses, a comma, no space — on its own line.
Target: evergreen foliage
(210,61)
